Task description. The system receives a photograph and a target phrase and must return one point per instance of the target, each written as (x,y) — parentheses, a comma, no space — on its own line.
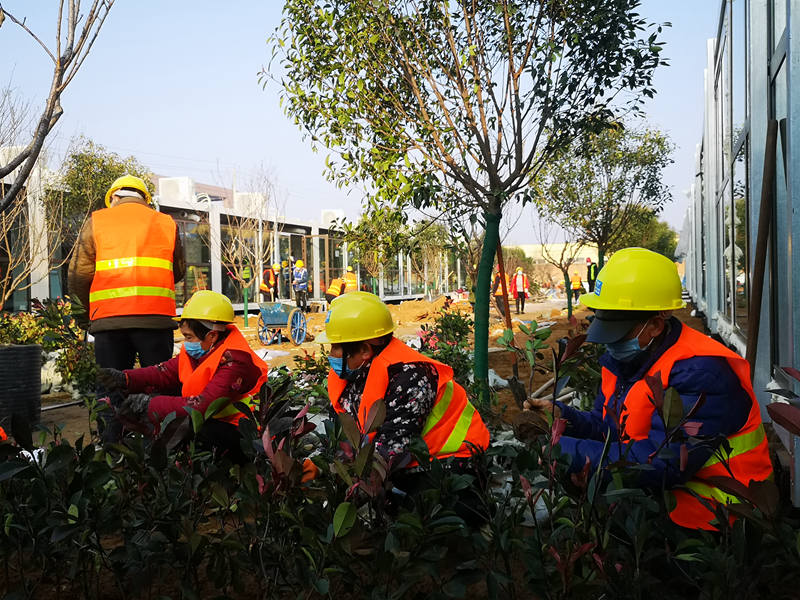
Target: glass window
(739,71)
(391,279)
(741,205)
(194,237)
(725,215)
(781,264)
(778,20)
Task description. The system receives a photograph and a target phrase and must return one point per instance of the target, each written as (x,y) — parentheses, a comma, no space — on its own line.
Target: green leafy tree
(380,234)
(601,183)
(457,105)
(647,231)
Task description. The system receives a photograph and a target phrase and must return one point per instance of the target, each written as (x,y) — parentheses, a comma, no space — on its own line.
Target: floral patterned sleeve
(409,399)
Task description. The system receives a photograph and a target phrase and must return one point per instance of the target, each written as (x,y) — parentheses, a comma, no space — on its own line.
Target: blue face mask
(627,350)
(194,349)
(339,366)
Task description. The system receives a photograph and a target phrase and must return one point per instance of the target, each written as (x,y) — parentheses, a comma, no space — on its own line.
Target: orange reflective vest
(268,280)
(576,282)
(454,427)
(335,288)
(195,379)
(350,282)
(134,246)
(749,456)
(499,289)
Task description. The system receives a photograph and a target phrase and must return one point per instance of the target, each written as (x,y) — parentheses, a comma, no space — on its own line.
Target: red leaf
(692,428)
(684,457)
(559,426)
(656,388)
(599,562)
(302,412)
(262,487)
(573,346)
(765,496)
(580,551)
(581,479)
(266,439)
(785,415)
(792,372)
(526,487)
(701,399)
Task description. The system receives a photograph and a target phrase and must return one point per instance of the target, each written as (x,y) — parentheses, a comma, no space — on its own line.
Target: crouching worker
(214,362)
(633,300)
(368,364)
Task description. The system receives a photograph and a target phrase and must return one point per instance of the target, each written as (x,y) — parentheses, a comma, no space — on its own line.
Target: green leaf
(673,408)
(197,420)
(216,406)
(11,467)
(343,519)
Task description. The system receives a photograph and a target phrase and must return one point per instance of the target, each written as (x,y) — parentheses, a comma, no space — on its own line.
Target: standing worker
(335,289)
(350,280)
(497,290)
(591,273)
(286,272)
(123,271)
(215,362)
(269,282)
(519,289)
(577,286)
(633,301)
(300,284)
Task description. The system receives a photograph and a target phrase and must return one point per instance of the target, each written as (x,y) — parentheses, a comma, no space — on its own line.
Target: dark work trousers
(222,437)
(330,298)
(501,306)
(577,294)
(520,302)
(301,299)
(591,286)
(118,349)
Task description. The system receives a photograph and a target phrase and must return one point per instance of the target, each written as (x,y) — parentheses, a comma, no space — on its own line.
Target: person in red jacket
(214,362)
(519,289)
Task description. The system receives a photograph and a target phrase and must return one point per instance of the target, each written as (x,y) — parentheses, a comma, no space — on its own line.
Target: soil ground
(409,316)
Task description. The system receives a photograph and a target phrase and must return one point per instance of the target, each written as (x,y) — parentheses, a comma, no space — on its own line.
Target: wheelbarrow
(278,321)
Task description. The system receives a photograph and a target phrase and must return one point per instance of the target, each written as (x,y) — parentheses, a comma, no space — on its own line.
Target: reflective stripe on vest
(133,261)
(454,427)
(134,248)
(749,454)
(195,379)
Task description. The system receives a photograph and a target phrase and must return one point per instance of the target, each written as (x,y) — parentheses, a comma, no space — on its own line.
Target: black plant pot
(20,383)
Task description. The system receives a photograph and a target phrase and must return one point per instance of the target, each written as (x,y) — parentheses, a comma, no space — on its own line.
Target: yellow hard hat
(519,269)
(349,269)
(206,305)
(299,263)
(128,181)
(276,266)
(636,279)
(356,317)
(285,263)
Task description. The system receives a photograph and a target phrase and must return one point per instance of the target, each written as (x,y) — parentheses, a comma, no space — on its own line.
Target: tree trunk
(568,288)
(481,354)
(601,257)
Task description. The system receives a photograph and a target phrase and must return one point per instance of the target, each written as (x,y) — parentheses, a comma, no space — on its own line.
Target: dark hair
(200,330)
(351,348)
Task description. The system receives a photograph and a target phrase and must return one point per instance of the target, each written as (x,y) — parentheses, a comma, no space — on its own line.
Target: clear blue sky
(175,84)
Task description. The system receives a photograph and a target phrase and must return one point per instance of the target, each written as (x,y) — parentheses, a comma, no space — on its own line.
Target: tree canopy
(604,184)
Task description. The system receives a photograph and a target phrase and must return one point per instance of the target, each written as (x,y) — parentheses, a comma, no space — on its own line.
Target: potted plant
(21,337)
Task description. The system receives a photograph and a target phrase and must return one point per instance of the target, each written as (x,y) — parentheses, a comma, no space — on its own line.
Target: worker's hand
(135,407)
(542,404)
(112,380)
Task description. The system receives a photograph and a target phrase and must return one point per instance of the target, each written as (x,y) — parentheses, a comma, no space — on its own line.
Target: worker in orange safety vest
(634,296)
(215,362)
(497,291)
(350,280)
(269,282)
(123,271)
(370,365)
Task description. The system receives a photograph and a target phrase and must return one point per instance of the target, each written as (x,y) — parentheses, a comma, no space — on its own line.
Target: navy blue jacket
(724,412)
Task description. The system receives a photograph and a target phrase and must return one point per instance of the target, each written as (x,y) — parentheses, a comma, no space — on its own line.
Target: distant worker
(350,280)
(269,282)
(591,273)
(577,286)
(214,362)
(519,289)
(721,437)
(335,289)
(286,271)
(124,268)
(497,291)
(300,284)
